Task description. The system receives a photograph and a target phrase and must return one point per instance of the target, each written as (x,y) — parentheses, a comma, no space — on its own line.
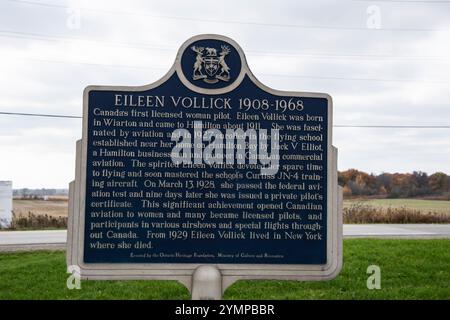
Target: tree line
(395,185)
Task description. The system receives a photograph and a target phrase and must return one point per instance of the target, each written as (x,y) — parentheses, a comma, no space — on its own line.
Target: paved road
(412,231)
(32,240)
(56,239)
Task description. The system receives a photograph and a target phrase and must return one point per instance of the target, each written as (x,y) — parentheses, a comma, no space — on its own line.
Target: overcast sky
(383,62)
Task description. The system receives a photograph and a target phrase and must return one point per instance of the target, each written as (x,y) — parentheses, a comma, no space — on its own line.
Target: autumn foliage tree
(394,185)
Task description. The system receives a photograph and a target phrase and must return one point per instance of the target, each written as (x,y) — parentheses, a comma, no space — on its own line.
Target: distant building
(6,194)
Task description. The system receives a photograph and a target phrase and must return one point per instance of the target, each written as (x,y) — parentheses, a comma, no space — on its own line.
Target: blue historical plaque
(207,166)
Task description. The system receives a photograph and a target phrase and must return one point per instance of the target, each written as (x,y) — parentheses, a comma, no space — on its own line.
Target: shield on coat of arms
(211,65)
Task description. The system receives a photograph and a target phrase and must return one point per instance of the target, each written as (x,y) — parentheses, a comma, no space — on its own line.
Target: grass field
(410,269)
(59,207)
(416,204)
(52,208)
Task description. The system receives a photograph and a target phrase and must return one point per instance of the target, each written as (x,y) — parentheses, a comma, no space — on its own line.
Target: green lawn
(417,204)
(410,269)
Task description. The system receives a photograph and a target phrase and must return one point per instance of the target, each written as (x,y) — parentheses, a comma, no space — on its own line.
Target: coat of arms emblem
(210,66)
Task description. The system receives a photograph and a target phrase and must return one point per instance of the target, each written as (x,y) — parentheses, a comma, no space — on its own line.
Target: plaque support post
(207,283)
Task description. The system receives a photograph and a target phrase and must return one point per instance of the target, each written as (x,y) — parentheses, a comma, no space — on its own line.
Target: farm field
(53,208)
(59,207)
(424,206)
(53,212)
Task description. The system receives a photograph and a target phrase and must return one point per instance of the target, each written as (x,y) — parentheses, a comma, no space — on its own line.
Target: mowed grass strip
(410,269)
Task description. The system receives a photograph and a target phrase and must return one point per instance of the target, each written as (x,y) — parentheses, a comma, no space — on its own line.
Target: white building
(6,193)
